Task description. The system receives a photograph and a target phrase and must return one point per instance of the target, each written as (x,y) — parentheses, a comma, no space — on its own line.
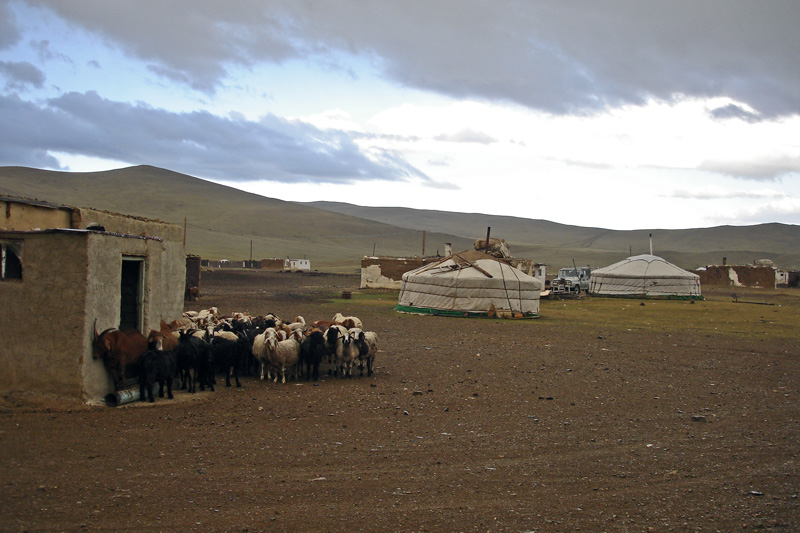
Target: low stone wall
(738,276)
(387,272)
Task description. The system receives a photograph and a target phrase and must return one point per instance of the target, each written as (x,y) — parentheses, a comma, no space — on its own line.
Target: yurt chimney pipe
(651,244)
(488,231)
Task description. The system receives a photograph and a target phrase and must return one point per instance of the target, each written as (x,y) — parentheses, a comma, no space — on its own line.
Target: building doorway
(131,294)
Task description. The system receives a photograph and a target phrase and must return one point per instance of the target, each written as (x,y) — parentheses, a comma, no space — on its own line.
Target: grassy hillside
(222,222)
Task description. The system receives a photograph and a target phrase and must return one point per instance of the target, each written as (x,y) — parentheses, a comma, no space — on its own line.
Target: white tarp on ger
(470,284)
(645,276)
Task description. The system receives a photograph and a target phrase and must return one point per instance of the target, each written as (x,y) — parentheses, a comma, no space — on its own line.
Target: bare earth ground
(603,415)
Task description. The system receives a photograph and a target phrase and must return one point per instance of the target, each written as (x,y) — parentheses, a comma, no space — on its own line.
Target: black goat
(194,362)
(156,366)
(249,364)
(312,351)
(230,356)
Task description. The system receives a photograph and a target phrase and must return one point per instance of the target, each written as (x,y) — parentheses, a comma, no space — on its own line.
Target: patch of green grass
(711,317)
(718,315)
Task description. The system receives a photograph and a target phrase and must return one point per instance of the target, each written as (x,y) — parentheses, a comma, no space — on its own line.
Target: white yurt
(645,276)
(470,284)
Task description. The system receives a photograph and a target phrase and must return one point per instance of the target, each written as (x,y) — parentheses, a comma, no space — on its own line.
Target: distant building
(296,265)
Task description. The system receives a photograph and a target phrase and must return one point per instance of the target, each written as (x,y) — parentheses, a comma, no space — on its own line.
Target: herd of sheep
(202,343)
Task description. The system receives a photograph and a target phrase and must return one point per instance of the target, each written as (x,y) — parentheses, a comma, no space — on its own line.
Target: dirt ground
(551,424)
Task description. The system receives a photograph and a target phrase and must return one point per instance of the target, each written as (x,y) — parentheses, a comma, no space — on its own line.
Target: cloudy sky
(614,114)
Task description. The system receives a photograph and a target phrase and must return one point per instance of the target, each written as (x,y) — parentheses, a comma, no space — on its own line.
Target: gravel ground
(466,425)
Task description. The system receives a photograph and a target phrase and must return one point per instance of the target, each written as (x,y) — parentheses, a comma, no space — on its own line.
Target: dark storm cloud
(561,57)
(20,74)
(9,34)
(19,145)
(187,41)
(197,143)
(734,111)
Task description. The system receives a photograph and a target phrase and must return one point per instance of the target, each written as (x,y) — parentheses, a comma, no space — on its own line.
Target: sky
(613,114)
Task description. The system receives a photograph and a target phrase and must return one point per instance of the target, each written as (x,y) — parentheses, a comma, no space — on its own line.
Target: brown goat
(322,324)
(169,338)
(117,349)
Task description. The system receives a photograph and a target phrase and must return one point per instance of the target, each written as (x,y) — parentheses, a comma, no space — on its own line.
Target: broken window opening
(10,260)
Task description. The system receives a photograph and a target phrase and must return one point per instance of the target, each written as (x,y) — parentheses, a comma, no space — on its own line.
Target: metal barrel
(131,394)
(114,399)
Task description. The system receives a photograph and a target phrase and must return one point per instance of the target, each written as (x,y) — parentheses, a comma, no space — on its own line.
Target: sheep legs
(233,373)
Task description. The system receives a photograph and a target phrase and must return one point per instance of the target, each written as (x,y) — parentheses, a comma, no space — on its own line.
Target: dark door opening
(130,311)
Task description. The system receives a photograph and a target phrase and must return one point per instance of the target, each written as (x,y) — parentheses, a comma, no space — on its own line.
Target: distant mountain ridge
(686,247)
(223,222)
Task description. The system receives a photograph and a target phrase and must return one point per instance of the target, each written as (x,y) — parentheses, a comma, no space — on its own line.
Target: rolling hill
(222,222)
(558,244)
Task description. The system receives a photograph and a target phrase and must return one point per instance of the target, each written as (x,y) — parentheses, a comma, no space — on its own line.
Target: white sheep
(286,356)
(227,335)
(206,317)
(201,333)
(298,323)
(346,353)
(242,317)
(181,324)
(261,348)
(367,342)
(347,321)
(332,336)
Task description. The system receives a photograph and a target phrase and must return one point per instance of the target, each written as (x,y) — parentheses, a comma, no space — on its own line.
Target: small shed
(296,265)
(122,271)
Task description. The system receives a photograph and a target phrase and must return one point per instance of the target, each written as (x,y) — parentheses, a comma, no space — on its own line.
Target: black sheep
(193,356)
(230,356)
(250,365)
(312,351)
(156,367)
